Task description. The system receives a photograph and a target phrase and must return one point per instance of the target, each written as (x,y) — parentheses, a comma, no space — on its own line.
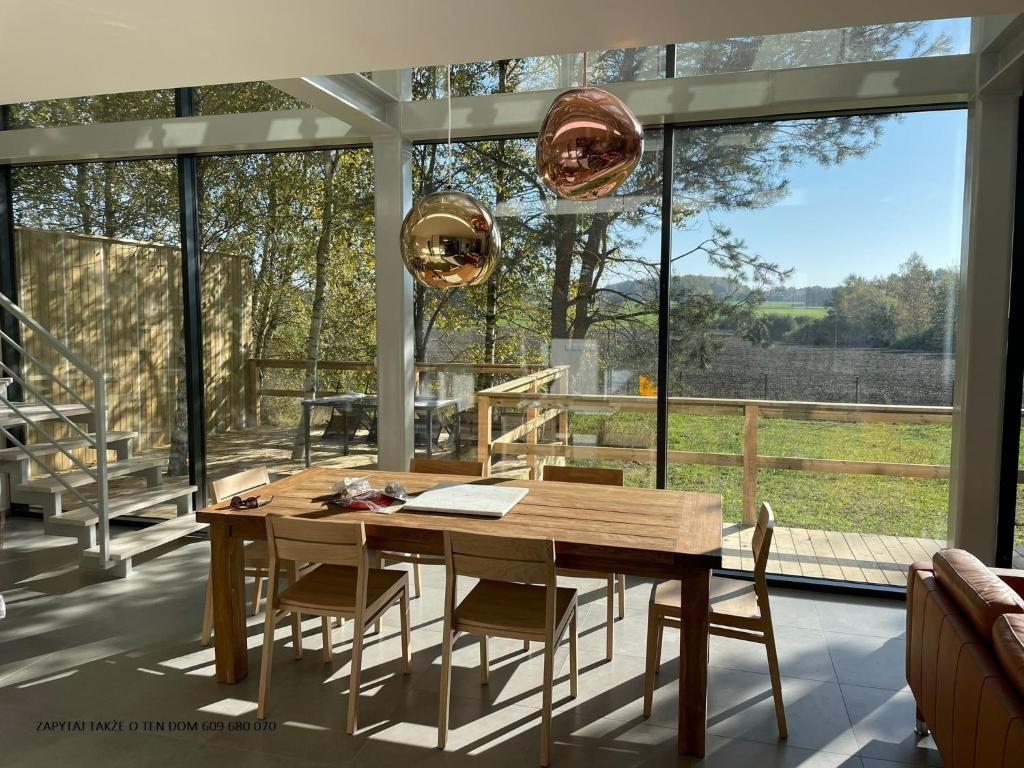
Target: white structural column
(982,323)
(392,169)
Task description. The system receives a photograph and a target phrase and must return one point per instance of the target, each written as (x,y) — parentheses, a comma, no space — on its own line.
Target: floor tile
(883,723)
(862,616)
(876,662)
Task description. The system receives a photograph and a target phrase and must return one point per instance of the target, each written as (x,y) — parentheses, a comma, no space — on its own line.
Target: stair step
(124,503)
(128,545)
(36,412)
(48,449)
(79,478)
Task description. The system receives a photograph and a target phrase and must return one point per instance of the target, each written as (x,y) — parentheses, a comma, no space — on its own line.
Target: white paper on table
(468,499)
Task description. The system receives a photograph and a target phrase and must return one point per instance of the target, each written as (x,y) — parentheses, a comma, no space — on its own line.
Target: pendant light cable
(451,162)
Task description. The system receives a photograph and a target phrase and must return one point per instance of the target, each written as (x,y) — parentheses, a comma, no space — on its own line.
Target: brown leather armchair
(965,659)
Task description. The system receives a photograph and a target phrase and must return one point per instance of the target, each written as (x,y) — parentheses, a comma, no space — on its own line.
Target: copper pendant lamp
(589,143)
(449,238)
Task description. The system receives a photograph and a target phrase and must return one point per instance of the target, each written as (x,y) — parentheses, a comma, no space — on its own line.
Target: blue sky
(865,216)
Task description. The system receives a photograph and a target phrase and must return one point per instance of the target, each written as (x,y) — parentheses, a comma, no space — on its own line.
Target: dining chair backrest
(593,475)
(761,542)
(497,558)
(445,467)
(240,482)
(316,541)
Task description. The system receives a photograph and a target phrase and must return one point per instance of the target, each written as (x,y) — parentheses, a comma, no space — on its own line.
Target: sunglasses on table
(251,502)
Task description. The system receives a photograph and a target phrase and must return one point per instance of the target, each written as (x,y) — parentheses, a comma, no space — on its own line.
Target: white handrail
(54,342)
(98,410)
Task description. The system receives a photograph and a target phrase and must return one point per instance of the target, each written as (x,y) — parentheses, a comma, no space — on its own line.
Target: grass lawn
(787,308)
(862,503)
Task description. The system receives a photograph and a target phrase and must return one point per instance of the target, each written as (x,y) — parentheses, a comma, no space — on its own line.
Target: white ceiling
(58,48)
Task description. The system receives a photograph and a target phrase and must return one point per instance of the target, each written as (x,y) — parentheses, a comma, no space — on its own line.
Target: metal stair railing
(97,409)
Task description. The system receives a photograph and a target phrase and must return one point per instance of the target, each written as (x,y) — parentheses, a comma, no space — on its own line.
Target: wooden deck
(863,558)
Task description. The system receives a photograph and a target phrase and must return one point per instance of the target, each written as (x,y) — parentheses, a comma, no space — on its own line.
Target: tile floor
(80,648)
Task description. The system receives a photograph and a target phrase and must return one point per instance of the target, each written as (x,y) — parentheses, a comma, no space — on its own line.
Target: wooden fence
(257,367)
(118,304)
(543,407)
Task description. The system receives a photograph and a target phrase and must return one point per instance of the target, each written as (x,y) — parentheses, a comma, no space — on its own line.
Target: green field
(864,503)
(789,310)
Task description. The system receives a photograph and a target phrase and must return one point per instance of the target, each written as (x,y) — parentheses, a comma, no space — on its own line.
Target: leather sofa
(965,659)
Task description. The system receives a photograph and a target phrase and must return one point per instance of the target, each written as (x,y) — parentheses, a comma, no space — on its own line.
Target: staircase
(78,502)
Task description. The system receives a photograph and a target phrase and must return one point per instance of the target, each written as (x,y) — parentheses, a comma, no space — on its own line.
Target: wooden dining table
(636,531)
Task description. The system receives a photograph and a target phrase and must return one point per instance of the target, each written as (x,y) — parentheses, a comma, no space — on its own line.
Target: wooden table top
(686,525)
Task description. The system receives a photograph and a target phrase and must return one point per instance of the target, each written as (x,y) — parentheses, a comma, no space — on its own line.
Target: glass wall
(815,262)
(573,305)
(99,265)
(540,73)
(111,108)
(878,42)
(288,265)
(235,98)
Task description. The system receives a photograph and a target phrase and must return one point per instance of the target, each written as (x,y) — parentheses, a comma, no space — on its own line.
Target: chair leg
(657,654)
(622,595)
(545,715)
(573,660)
(265,662)
(257,595)
(406,644)
(610,618)
(208,611)
(526,645)
(291,576)
(773,671)
(653,658)
(353,684)
(483,660)
(328,649)
(446,684)
(417,579)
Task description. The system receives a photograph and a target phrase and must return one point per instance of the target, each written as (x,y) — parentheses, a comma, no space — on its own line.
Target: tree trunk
(177,461)
(323,252)
(589,274)
(85,208)
(565,242)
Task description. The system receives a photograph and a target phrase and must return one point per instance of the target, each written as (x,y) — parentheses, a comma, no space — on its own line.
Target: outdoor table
(637,531)
(348,402)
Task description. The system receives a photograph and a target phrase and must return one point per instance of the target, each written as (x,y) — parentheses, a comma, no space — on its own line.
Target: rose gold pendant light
(589,143)
(449,238)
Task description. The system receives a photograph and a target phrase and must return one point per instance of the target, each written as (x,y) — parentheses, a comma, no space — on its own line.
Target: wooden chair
(595,476)
(739,609)
(430,467)
(342,586)
(517,597)
(256,561)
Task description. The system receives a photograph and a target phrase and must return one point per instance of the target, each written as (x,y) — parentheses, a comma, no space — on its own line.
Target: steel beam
(351,98)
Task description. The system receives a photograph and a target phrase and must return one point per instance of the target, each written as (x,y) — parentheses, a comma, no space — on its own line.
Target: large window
(111,108)
(235,98)
(99,266)
(815,262)
(540,73)
(876,42)
(288,266)
(573,305)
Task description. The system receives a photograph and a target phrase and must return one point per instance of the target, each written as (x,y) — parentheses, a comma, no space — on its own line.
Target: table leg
(344,431)
(430,432)
(306,427)
(693,660)
(232,656)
